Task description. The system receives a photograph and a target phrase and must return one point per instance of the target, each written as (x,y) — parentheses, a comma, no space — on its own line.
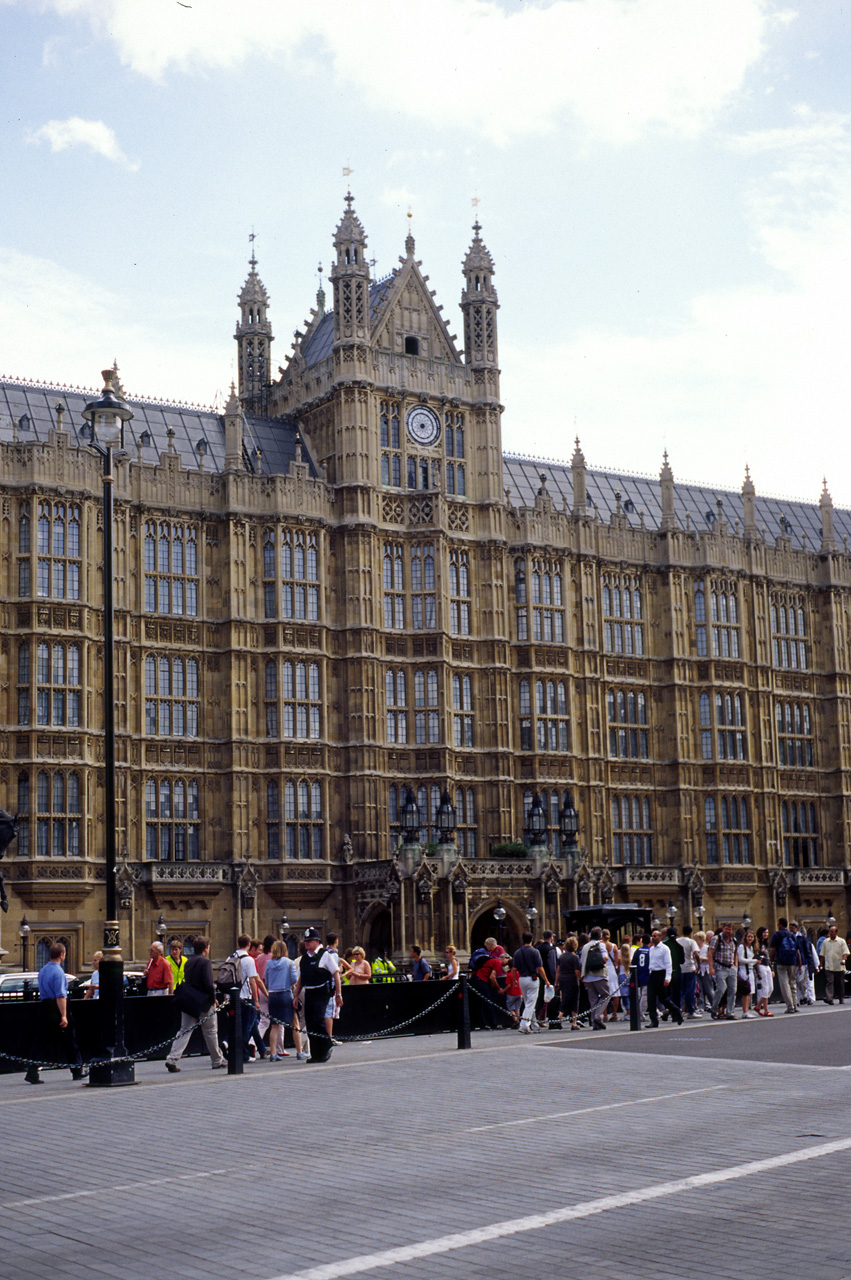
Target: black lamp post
(106,417)
(746,921)
(161,930)
(531,914)
(700,912)
(671,913)
(568,821)
(536,823)
(445,819)
(283,927)
(24,931)
(499,914)
(409,819)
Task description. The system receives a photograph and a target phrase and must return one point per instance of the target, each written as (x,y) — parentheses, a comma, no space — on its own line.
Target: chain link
(128,1057)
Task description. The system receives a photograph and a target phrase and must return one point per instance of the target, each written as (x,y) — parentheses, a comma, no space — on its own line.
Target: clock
(423,425)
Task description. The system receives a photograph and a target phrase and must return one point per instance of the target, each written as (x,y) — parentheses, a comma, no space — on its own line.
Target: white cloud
(618,67)
(62,135)
(756,374)
(76,327)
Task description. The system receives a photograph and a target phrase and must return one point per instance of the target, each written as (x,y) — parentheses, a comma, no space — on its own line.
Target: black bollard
(634,994)
(236,1064)
(464,1041)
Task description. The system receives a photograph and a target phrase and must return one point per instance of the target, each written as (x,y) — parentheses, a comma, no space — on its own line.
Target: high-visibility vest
(381,969)
(177,968)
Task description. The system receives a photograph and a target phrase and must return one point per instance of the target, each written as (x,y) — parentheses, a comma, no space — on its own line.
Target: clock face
(423,425)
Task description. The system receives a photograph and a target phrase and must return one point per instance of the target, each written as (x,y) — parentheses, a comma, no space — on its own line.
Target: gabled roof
(33,405)
(318,346)
(643,494)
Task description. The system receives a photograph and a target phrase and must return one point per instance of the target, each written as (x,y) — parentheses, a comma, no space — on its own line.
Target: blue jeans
(250,1018)
(688,982)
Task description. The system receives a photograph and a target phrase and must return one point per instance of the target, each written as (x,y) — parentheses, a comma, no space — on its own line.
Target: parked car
(23,986)
(132,983)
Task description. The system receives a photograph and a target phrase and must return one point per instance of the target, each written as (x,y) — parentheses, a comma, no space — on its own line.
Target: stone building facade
(340,588)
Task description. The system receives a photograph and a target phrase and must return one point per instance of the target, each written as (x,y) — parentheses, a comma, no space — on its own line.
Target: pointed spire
(350,236)
(320,296)
(828,538)
(750,531)
(409,239)
(666,483)
(233,432)
(580,492)
(478,255)
(254,289)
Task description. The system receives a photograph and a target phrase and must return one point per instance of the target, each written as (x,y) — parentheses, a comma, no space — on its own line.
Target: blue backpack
(787,952)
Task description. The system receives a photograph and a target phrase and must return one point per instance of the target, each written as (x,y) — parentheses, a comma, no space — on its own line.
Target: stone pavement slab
(297,1169)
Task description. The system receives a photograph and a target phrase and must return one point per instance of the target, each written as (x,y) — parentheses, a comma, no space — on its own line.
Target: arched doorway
(380,933)
(487,926)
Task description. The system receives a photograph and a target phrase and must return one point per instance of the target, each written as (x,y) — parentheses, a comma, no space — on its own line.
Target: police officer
(319,976)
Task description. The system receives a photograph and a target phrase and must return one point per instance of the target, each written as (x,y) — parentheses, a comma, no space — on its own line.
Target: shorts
(513,1003)
(281,1011)
(331,1008)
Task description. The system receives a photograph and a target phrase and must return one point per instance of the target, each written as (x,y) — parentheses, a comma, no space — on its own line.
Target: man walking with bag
(527,962)
(195,997)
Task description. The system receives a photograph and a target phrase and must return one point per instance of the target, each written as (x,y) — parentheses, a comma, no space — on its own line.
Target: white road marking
(584,1111)
(539,1221)
(100,1192)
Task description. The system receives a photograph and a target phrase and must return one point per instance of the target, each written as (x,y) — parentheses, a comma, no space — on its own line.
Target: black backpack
(595,961)
(477,959)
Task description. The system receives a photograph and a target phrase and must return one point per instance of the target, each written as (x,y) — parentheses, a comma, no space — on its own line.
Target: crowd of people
(581,980)
(584,979)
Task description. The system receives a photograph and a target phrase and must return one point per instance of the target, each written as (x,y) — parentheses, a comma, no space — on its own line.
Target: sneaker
(219,1066)
(301,1057)
(697,1014)
(523,1031)
(172,1067)
(33,1077)
(339,1042)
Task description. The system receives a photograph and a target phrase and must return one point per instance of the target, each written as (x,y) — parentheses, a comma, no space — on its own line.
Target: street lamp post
(536,824)
(531,914)
(671,912)
(24,931)
(499,914)
(568,821)
(161,930)
(409,819)
(106,417)
(283,927)
(700,912)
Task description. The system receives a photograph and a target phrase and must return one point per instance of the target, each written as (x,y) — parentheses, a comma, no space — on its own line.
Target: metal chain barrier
(389,1031)
(588,1014)
(128,1057)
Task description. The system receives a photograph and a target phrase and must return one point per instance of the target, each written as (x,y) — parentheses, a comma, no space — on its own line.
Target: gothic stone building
(341,587)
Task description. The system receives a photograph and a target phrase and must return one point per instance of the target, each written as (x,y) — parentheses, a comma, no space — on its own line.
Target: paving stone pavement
(301,1170)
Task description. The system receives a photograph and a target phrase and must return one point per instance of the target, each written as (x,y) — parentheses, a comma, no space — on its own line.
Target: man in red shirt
(159,977)
(484,981)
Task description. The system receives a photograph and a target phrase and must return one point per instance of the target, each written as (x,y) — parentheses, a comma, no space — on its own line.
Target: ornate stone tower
(350,278)
(254,339)
(479,305)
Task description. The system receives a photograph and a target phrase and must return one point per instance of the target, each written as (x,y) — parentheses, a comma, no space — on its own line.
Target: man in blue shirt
(422,968)
(54,1039)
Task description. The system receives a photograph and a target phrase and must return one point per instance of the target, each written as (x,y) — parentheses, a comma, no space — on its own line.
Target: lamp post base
(106,1073)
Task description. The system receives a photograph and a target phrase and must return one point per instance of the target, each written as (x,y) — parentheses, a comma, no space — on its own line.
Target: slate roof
(34,407)
(643,493)
(320,342)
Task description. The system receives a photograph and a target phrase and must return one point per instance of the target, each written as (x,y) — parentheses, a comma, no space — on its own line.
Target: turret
(479,304)
(233,433)
(666,484)
(828,539)
(751,529)
(580,493)
(350,278)
(254,339)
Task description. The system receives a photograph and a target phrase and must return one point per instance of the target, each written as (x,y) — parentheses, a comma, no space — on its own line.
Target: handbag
(743,987)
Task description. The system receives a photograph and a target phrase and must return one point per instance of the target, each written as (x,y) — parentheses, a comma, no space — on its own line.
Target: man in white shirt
(318,978)
(833,955)
(658,986)
(688,972)
(249,993)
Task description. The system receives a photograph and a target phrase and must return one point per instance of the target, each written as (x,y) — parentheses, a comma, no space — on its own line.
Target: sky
(665,187)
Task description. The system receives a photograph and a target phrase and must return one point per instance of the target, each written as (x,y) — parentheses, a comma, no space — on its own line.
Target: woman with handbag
(746,959)
(196,998)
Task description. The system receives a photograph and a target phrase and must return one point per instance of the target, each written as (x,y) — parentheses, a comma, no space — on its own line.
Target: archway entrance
(380,933)
(486,926)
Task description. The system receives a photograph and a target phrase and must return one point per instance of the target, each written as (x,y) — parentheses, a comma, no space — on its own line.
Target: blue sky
(665,187)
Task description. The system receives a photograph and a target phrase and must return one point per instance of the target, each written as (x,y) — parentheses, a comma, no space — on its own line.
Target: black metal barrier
(377,1009)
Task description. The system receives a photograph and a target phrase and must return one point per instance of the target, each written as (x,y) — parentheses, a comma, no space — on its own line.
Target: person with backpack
(724,969)
(593,971)
(195,997)
(786,957)
(319,984)
(485,970)
(527,962)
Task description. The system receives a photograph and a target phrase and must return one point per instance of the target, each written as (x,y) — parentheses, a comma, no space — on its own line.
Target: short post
(464,1041)
(634,999)
(236,1064)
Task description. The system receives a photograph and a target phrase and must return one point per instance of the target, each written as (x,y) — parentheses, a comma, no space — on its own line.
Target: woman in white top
(452,966)
(746,958)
